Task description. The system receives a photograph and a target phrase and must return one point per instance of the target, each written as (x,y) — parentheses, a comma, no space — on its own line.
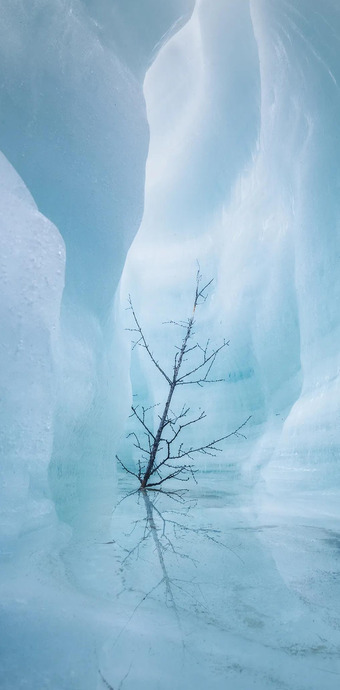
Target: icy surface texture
(74,125)
(32,278)
(239,589)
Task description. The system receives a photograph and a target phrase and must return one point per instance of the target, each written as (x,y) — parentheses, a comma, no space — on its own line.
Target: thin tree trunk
(155,445)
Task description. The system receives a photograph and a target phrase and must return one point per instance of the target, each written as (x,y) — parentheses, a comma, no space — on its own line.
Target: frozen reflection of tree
(107,684)
(159,554)
(160,547)
(170,532)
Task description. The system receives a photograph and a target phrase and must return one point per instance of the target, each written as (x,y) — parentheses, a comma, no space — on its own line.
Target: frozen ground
(207,595)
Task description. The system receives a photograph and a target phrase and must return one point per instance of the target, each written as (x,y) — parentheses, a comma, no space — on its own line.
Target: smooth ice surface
(238,586)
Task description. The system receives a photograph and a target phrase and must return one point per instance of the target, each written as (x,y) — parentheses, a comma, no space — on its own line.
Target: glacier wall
(32,280)
(242,175)
(300,108)
(74,127)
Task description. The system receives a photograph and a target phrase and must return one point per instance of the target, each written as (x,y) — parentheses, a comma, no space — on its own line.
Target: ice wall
(32,279)
(74,127)
(202,98)
(74,137)
(243,175)
(300,152)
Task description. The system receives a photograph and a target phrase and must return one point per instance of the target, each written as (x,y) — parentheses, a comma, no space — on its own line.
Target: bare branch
(182,324)
(172,475)
(142,419)
(145,344)
(126,469)
(205,361)
(107,685)
(212,446)
(162,443)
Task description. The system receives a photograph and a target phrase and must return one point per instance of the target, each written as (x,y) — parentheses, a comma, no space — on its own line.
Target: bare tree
(162,453)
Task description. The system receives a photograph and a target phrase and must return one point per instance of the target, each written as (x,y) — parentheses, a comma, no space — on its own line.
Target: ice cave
(143,143)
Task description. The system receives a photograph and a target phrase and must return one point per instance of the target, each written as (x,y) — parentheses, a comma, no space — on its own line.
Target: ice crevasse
(138,138)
